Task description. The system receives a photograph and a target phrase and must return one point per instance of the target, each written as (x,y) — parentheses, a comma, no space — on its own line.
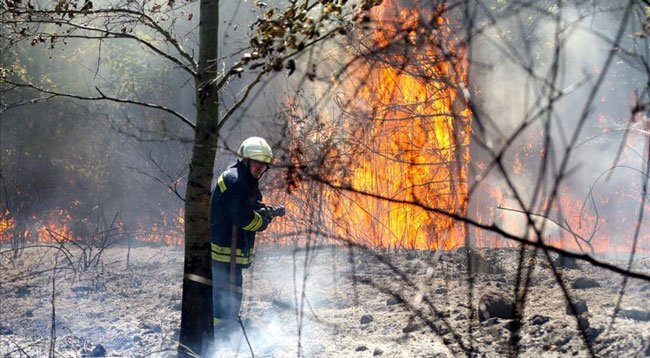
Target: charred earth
(324,301)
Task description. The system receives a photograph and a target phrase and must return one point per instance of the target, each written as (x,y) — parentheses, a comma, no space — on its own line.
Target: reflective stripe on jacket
(234,199)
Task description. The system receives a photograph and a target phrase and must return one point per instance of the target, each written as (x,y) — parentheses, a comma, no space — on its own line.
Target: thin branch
(637,231)
(241,100)
(103,97)
(488,227)
(27,102)
(137,16)
(18,347)
(53,311)
(220,81)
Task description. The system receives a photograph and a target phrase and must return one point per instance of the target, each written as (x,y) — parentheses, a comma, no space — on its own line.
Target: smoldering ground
(318,303)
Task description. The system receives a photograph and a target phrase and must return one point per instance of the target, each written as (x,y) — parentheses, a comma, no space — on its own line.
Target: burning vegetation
(448,208)
(400,140)
(402,146)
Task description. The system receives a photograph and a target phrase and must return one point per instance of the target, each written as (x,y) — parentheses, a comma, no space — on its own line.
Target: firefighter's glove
(265,221)
(265,214)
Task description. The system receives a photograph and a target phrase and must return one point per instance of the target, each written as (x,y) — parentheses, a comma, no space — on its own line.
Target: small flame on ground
(58,226)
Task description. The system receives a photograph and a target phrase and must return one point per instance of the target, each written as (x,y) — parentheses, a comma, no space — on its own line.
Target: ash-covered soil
(322,302)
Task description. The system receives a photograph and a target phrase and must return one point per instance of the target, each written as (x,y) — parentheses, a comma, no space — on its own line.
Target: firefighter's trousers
(226,298)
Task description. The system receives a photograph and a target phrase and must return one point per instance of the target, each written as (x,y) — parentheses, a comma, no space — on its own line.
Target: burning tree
(403,135)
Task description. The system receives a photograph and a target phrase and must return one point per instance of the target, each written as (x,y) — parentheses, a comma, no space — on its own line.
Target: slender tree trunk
(196,318)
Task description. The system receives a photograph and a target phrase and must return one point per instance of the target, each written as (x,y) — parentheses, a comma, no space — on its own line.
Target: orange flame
(417,148)
(412,146)
(57,227)
(7,226)
(602,222)
(163,231)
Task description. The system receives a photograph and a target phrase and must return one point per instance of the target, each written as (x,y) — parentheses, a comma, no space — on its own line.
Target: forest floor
(321,302)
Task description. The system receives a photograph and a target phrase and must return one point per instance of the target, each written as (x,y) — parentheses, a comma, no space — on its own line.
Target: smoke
(96,159)
(262,340)
(283,290)
(513,66)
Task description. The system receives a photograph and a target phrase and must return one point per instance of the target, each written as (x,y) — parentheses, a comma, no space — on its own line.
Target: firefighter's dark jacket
(234,201)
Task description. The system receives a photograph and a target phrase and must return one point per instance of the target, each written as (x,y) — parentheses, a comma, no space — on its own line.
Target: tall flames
(403,136)
(405,139)
(416,148)
(406,136)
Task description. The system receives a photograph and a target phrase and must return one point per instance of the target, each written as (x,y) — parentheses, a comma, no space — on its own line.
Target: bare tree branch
(103,97)
(488,227)
(48,17)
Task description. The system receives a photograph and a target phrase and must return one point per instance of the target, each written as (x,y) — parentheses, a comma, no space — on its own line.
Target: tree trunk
(196,317)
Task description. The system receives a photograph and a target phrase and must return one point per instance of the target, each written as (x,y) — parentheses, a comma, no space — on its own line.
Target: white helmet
(256,148)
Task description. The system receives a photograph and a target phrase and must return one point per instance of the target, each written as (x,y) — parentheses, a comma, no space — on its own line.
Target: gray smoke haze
(95,159)
(513,78)
(119,159)
(88,155)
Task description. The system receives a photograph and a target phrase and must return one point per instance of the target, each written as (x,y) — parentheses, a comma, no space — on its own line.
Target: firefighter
(236,214)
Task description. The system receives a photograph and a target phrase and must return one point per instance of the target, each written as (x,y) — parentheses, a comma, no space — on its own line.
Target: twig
(241,324)
(53,316)
(18,347)
(637,233)
(104,97)
(566,228)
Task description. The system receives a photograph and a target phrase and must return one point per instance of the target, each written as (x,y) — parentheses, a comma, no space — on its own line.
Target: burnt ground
(322,302)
